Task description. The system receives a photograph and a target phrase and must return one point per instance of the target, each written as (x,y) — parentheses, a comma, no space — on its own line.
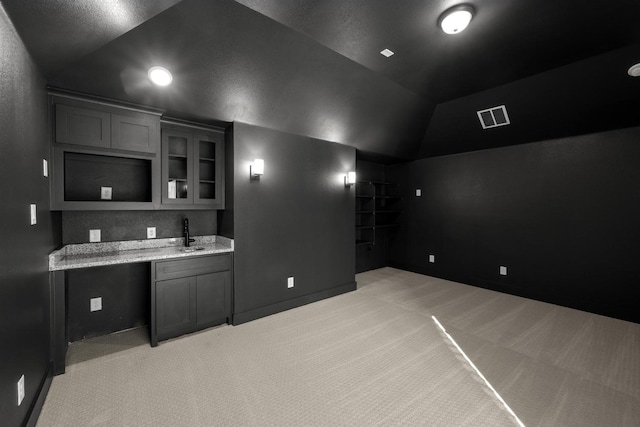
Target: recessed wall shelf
(377,207)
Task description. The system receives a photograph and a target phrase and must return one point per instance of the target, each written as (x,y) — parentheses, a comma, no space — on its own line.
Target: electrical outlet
(432,258)
(151,232)
(503,270)
(95,236)
(20,386)
(45,168)
(418,192)
(290,282)
(33,214)
(106,193)
(95,304)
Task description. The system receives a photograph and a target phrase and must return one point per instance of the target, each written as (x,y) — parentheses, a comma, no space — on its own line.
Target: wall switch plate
(290,282)
(418,192)
(151,232)
(33,214)
(503,270)
(95,236)
(45,168)
(95,304)
(432,258)
(20,386)
(106,193)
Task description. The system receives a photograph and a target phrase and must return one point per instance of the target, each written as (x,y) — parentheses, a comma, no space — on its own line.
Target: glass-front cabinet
(192,168)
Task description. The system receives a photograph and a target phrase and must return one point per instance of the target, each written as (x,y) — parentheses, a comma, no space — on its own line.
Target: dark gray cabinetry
(175,307)
(135,132)
(189,294)
(104,157)
(192,168)
(92,127)
(82,126)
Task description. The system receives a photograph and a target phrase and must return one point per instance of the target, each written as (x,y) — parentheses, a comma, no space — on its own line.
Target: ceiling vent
(493,117)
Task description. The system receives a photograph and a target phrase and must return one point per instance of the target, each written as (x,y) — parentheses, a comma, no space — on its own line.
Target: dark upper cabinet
(177,168)
(135,133)
(82,126)
(192,168)
(111,157)
(105,157)
(92,127)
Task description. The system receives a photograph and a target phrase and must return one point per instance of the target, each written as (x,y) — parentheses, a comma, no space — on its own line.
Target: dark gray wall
(561,215)
(24,277)
(125,293)
(297,220)
(132,225)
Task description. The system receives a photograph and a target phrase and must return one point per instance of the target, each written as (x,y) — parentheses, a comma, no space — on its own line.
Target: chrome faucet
(187,240)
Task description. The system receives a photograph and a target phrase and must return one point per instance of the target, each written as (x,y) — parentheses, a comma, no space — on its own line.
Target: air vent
(493,117)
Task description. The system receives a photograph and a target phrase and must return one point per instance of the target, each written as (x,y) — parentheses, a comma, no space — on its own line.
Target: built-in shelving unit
(377,206)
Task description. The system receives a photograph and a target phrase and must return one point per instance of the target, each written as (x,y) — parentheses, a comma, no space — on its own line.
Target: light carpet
(371,357)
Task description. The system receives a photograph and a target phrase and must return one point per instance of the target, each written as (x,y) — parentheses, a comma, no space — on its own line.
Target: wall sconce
(349,179)
(256,169)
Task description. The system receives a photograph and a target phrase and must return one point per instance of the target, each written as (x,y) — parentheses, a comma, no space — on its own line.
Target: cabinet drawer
(192,266)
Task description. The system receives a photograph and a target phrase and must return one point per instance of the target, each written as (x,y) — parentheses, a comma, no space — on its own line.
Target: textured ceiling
(507,40)
(58,32)
(314,68)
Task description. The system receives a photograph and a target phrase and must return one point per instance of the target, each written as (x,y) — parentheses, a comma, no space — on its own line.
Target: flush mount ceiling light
(634,70)
(455,19)
(160,76)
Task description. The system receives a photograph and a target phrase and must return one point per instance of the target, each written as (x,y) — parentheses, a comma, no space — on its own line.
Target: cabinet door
(209,170)
(175,307)
(82,126)
(134,133)
(213,299)
(177,168)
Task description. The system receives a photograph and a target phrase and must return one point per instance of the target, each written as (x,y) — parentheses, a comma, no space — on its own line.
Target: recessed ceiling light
(386,53)
(454,20)
(160,76)
(634,70)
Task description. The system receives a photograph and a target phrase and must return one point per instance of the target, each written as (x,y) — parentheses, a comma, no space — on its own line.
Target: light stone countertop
(130,251)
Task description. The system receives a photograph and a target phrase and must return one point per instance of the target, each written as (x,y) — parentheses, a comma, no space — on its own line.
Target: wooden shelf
(207,159)
(377,183)
(375,202)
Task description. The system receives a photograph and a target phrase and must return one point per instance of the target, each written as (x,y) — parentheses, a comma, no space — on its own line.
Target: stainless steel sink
(191,249)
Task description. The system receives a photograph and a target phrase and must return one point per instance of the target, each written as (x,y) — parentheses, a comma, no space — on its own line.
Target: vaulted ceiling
(313,67)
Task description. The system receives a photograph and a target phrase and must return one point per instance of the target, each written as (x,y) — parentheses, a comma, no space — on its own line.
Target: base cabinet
(189,294)
(175,307)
